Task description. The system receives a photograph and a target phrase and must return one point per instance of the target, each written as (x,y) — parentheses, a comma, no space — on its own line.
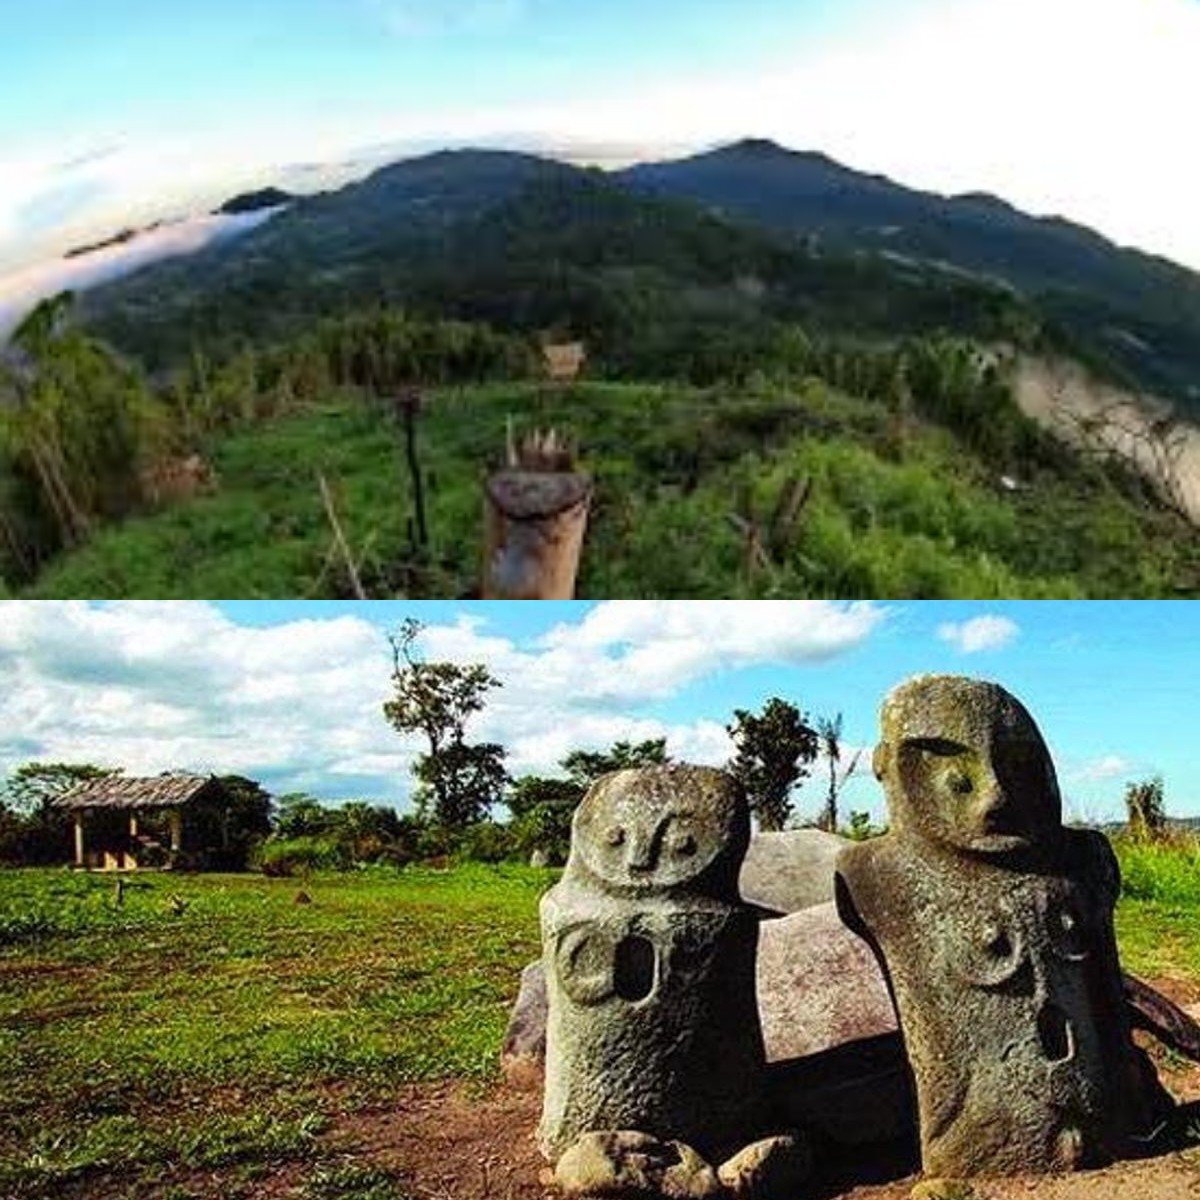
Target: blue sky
(290,692)
(124,110)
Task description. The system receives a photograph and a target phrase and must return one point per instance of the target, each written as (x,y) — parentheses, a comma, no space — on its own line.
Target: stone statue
(649,958)
(993,924)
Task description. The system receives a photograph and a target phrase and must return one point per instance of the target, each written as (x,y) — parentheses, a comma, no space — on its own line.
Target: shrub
(284,857)
(487,842)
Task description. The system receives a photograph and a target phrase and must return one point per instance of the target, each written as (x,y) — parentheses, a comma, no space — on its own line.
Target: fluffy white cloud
(1110,766)
(1056,105)
(980,633)
(160,686)
(21,290)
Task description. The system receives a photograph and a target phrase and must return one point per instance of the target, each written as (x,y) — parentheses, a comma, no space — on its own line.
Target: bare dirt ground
(446,1143)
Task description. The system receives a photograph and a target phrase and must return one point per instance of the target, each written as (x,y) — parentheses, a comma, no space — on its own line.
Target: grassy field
(674,466)
(153,1048)
(209,1033)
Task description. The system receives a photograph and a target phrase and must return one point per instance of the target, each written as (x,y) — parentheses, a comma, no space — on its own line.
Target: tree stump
(535,525)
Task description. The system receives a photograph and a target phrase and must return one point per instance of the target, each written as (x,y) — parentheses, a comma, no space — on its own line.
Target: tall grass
(1166,871)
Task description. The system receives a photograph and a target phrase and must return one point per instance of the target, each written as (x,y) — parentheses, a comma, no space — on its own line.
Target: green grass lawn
(673,465)
(146,1044)
(207,1032)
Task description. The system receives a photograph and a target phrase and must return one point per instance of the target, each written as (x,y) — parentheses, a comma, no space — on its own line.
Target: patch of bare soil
(445,1144)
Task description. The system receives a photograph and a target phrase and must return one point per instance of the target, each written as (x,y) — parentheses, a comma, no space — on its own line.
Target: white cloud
(161,686)
(20,291)
(1057,105)
(980,633)
(1110,766)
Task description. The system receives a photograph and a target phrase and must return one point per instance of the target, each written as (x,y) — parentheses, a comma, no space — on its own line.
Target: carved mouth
(999,842)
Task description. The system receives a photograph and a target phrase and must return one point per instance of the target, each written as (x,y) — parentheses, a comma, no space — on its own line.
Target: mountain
(529,244)
(1139,311)
(747,232)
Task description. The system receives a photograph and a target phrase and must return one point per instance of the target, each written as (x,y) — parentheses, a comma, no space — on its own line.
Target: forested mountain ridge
(730,363)
(1140,310)
(530,243)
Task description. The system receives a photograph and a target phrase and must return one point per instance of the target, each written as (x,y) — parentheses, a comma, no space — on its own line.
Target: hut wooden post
(79,847)
(176,819)
(536,515)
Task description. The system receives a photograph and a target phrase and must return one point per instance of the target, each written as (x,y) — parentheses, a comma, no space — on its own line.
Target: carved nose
(641,854)
(994,805)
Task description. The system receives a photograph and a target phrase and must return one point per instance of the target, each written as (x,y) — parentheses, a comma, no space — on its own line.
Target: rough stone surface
(649,956)
(773,1169)
(790,870)
(819,986)
(524,1050)
(633,1165)
(829,1029)
(942,1189)
(994,924)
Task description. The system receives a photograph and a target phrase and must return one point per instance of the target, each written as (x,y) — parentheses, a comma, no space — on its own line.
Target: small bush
(297,856)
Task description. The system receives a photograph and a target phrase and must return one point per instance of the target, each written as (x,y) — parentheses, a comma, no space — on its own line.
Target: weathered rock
(942,1189)
(994,924)
(635,1166)
(524,1051)
(835,1061)
(773,1169)
(539,860)
(819,986)
(790,870)
(649,957)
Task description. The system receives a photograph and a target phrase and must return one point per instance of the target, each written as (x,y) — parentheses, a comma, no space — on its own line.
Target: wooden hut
(124,824)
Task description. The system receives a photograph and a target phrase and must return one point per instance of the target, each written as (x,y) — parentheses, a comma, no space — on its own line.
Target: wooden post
(408,408)
(79,837)
(536,515)
(130,856)
(176,819)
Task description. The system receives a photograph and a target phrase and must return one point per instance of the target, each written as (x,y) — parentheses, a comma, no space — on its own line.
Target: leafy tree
(459,782)
(586,766)
(773,752)
(32,829)
(32,787)
(535,791)
(247,818)
(1145,802)
(301,815)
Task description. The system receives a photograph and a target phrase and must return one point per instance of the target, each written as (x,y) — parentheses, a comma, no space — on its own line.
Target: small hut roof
(119,791)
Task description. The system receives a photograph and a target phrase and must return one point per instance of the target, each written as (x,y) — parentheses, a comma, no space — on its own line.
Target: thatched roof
(118,791)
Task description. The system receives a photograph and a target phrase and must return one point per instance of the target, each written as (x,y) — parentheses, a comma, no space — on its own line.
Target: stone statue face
(964,765)
(658,829)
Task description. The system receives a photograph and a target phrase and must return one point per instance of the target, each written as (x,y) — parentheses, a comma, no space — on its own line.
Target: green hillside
(730,363)
(921,516)
(1137,313)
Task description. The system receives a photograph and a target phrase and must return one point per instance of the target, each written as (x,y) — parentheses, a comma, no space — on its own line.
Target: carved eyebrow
(942,747)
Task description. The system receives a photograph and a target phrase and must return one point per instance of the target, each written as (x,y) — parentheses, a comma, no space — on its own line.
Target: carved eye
(997,942)
(683,844)
(960,784)
(615,836)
